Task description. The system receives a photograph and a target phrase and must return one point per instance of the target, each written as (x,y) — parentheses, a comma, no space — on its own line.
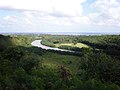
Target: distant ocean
(67,33)
(82,33)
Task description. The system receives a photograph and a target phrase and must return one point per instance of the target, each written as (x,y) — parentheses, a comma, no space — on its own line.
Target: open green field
(79,45)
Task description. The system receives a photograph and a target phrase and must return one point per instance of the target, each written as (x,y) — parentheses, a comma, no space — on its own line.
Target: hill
(23,67)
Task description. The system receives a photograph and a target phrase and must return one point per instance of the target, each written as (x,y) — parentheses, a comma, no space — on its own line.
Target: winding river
(37,43)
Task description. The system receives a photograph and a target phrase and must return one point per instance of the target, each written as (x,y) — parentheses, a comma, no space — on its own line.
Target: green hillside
(24,67)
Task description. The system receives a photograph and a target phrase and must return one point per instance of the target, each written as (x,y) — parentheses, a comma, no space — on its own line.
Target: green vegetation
(110,44)
(24,67)
(79,45)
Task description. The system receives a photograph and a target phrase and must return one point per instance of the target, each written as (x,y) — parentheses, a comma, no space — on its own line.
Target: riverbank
(37,43)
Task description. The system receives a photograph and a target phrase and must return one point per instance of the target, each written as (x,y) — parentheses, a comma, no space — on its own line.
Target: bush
(100,66)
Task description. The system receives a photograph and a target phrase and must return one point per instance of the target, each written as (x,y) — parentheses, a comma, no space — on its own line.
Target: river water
(37,43)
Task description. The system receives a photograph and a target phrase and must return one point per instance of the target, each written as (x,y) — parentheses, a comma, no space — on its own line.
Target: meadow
(79,45)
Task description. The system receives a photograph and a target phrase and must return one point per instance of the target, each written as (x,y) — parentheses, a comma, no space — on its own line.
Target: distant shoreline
(64,33)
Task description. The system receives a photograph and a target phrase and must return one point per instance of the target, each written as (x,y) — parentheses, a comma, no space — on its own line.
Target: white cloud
(108,12)
(38,18)
(62,12)
(64,7)
(15,21)
(9,20)
(81,20)
(35,12)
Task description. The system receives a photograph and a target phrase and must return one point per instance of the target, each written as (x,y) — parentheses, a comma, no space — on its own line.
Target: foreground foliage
(23,67)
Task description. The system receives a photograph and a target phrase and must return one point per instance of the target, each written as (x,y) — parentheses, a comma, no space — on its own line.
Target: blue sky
(59,16)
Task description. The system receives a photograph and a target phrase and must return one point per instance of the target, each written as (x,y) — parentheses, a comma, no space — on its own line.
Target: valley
(27,63)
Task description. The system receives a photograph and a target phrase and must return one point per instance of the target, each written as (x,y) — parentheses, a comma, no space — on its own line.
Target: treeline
(110,44)
(5,41)
(111,40)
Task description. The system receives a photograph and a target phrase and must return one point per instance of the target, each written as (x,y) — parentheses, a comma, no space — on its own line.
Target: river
(37,43)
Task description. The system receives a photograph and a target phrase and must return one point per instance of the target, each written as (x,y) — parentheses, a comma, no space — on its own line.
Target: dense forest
(25,67)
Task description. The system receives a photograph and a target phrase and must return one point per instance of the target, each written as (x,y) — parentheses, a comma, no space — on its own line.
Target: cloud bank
(108,12)
(61,12)
(61,7)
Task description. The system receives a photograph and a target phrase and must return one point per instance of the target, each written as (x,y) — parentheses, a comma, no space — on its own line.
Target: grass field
(79,45)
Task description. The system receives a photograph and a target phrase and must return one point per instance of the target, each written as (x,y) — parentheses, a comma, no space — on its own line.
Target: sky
(59,16)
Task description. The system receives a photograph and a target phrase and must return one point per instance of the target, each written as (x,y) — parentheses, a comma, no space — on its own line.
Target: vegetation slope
(24,67)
